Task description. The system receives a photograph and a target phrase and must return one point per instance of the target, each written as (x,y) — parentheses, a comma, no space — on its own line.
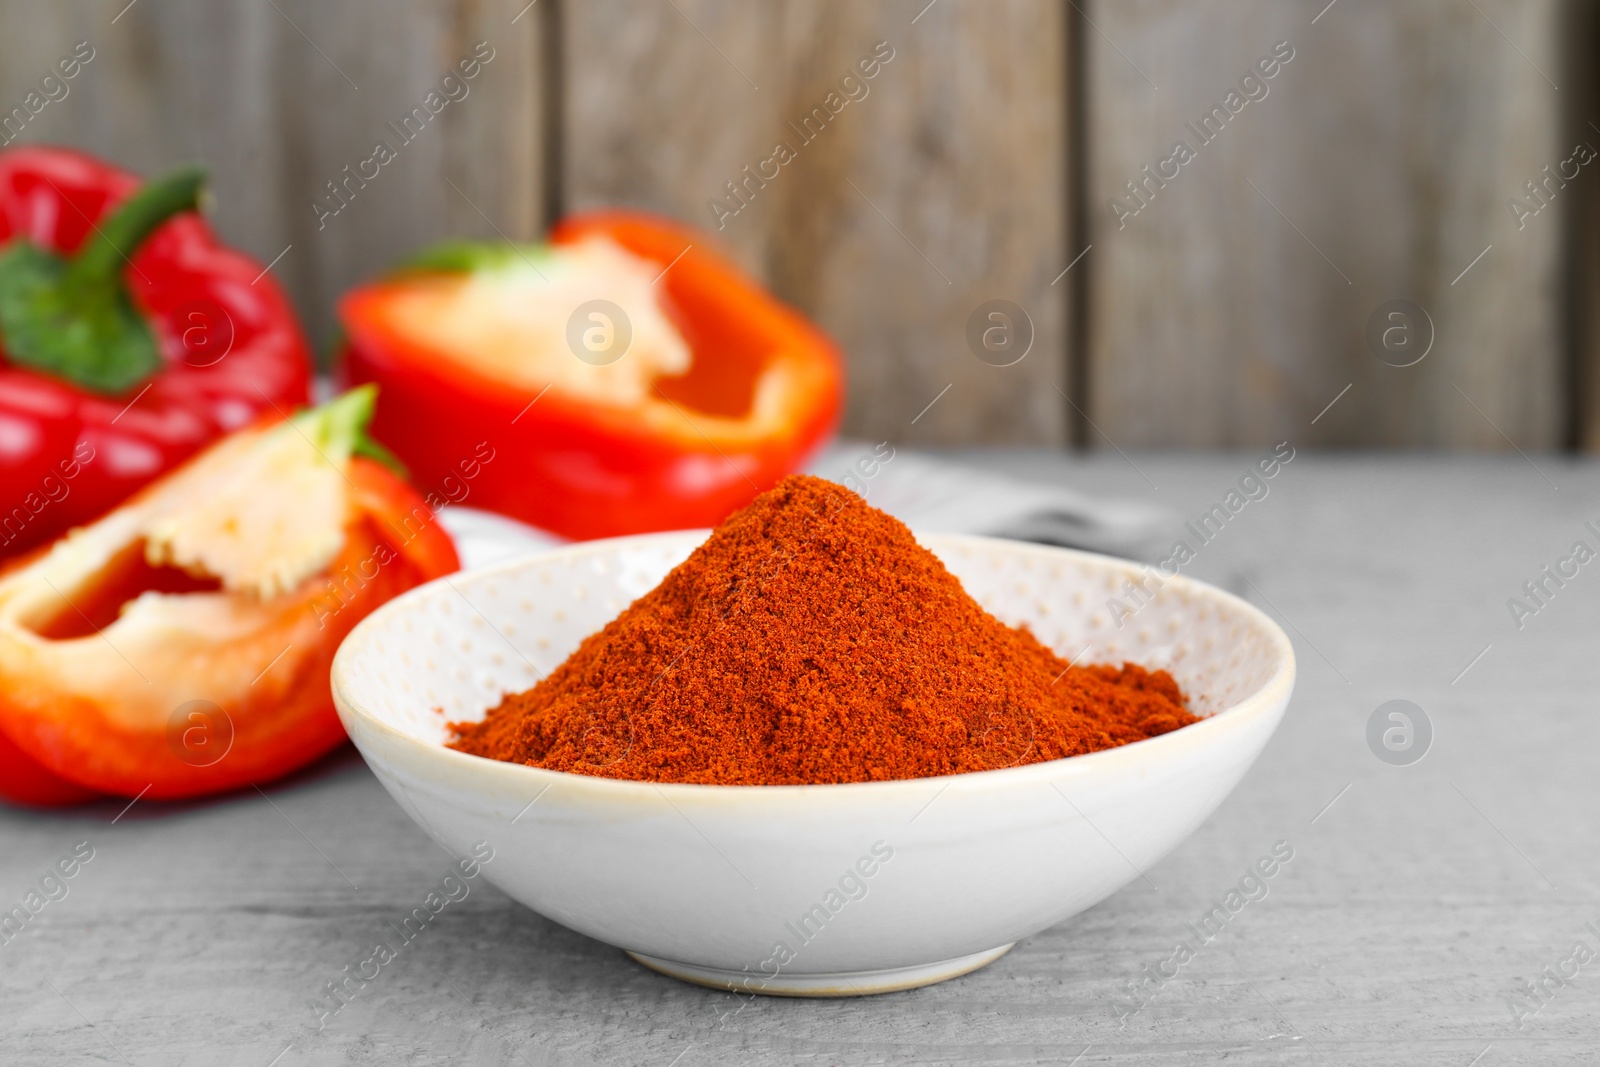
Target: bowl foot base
(836,984)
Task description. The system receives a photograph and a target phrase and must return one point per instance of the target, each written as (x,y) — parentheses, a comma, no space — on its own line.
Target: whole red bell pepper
(129,338)
(702,393)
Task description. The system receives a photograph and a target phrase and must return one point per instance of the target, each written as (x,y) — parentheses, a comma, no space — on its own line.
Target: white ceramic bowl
(816,890)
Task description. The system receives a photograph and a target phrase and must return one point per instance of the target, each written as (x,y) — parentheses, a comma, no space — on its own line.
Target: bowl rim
(1272,697)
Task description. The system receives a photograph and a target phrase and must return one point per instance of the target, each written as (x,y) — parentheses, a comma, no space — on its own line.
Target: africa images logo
(853,885)
(1253,886)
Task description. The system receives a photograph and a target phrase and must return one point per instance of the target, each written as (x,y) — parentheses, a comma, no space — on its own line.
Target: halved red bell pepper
(714,392)
(181,644)
(24,781)
(129,338)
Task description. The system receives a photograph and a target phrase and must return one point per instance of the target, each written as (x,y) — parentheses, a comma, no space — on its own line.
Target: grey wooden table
(1419,901)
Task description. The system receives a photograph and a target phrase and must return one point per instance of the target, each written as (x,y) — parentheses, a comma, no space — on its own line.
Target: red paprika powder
(810,639)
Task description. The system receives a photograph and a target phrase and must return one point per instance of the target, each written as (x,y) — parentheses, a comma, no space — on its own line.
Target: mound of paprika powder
(811,640)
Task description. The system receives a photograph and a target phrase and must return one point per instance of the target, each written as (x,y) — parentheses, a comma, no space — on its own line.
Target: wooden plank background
(941,188)
(278,97)
(982,160)
(1232,309)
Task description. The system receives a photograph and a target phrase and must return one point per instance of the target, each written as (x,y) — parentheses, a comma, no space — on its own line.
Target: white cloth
(924,492)
(485,537)
(944,496)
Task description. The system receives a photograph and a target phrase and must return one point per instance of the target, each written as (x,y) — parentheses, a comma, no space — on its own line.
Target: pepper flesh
(125,675)
(231,348)
(762,392)
(24,781)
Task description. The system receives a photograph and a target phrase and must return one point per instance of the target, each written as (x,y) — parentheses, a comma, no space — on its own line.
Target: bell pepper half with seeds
(181,644)
(629,376)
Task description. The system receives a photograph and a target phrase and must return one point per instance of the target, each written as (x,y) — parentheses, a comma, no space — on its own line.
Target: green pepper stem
(115,240)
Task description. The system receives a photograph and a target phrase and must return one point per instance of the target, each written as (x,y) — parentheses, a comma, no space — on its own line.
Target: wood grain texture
(1382,160)
(1229,311)
(277,98)
(943,187)
(1412,907)
(1582,36)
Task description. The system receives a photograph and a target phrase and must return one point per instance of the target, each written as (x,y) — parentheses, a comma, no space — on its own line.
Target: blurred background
(1436,153)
